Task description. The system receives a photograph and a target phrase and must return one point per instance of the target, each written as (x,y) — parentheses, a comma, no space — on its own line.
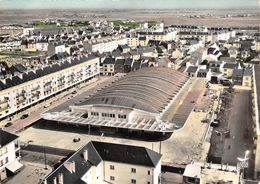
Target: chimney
(60,178)
(70,166)
(85,155)
(54,180)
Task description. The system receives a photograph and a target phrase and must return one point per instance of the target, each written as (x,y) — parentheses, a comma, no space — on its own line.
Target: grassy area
(79,24)
(18,53)
(151,24)
(51,25)
(40,24)
(131,25)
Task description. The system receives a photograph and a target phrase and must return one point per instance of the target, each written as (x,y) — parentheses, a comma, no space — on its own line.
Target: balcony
(5,101)
(20,99)
(35,89)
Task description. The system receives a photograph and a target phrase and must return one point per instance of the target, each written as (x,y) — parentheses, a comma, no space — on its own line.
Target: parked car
(47,105)
(8,124)
(24,116)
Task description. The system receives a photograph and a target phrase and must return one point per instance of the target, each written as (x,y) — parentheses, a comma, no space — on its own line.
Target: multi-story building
(105,44)
(109,66)
(42,45)
(205,36)
(159,36)
(55,48)
(247,77)
(135,102)
(9,154)
(23,90)
(99,163)
(10,44)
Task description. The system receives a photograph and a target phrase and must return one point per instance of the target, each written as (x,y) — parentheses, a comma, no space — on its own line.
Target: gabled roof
(192,69)
(59,56)
(120,62)
(6,138)
(98,152)
(81,166)
(20,68)
(128,62)
(230,65)
(109,61)
(133,155)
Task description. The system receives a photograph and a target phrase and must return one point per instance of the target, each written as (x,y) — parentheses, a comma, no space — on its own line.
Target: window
(6,160)
(121,116)
(133,170)
(112,167)
(133,181)
(112,178)
(148,172)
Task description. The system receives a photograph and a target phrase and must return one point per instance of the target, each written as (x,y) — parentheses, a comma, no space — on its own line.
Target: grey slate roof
(238,73)
(230,65)
(109,61)
(20,68)
(133,155)
(81,166)
(100,151)
(192,69)
(6,138)
(248,72)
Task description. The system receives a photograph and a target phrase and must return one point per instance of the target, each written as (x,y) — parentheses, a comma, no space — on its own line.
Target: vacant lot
(226,17)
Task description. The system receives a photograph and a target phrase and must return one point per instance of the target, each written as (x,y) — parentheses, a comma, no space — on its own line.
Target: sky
(125,4)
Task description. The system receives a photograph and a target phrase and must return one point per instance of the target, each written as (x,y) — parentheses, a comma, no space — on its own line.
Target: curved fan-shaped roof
(147,89)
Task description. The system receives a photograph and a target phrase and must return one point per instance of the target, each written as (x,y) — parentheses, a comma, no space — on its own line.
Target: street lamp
(243,162)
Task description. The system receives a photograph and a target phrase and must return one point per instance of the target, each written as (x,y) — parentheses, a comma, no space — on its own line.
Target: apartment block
(9,155)
(100,162)
(23,90)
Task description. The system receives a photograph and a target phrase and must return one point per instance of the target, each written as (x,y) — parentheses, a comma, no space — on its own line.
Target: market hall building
(135,102)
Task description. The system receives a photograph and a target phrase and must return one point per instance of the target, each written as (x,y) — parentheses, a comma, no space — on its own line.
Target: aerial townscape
(129,96)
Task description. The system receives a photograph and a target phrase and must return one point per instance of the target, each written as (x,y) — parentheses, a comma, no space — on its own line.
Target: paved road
(57,102)
(239,121)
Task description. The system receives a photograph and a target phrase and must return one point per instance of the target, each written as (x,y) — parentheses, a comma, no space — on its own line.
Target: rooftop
(6,138)
(147,89)
(31,75)
(99,151)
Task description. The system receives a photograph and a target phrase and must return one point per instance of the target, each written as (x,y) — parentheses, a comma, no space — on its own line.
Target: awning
(14,166)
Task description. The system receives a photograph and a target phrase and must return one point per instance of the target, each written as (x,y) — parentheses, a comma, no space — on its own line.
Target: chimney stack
(60,178)
(85,155)
(70,166)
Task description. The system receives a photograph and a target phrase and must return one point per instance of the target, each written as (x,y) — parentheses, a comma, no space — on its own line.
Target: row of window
(94,113)
(121,116)
(133,170)
(133,181)
(3,151)
(108,115)
(4,161)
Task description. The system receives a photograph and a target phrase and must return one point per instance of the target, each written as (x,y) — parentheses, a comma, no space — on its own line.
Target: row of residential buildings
(24,89)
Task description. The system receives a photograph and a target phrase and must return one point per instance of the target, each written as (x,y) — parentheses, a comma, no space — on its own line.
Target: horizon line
(201,8)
